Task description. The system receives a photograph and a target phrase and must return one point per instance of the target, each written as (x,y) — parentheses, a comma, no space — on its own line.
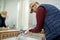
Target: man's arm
(40,15)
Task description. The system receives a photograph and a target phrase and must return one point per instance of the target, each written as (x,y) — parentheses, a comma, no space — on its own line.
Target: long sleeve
(40,15)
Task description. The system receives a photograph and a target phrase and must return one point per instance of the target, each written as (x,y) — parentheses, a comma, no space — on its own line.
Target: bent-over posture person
(3,15)
(48,18)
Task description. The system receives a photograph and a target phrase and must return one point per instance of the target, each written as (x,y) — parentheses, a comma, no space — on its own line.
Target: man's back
(52,21)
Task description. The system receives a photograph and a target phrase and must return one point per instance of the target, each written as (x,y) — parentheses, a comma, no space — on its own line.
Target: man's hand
(42,32)
(27,32)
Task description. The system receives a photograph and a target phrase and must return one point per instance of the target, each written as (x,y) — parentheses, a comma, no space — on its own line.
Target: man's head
(4,13)
(33,6)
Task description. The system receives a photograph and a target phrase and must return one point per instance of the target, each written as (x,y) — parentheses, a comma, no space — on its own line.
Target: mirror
(11,8)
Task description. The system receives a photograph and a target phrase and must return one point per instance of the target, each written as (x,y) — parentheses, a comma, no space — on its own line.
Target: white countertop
(30,36)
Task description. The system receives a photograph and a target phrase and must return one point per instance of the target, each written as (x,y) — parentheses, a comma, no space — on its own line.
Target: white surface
(13,38)
(30,36)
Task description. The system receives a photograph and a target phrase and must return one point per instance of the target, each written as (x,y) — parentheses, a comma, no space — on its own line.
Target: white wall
(12,8)
(24,14)
(1,5)
(32,17)
(53,2)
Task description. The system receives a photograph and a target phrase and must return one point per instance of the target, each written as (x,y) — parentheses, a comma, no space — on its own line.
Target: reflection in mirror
(8,14)
(3,16)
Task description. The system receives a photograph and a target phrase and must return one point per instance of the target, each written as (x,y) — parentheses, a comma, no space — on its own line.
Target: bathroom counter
(8,33)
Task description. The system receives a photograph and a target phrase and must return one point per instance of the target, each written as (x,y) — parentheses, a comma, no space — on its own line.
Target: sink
(30,36)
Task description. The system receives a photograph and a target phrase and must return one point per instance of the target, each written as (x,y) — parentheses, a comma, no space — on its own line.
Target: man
(48,18)
(3,15)
(40,16)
